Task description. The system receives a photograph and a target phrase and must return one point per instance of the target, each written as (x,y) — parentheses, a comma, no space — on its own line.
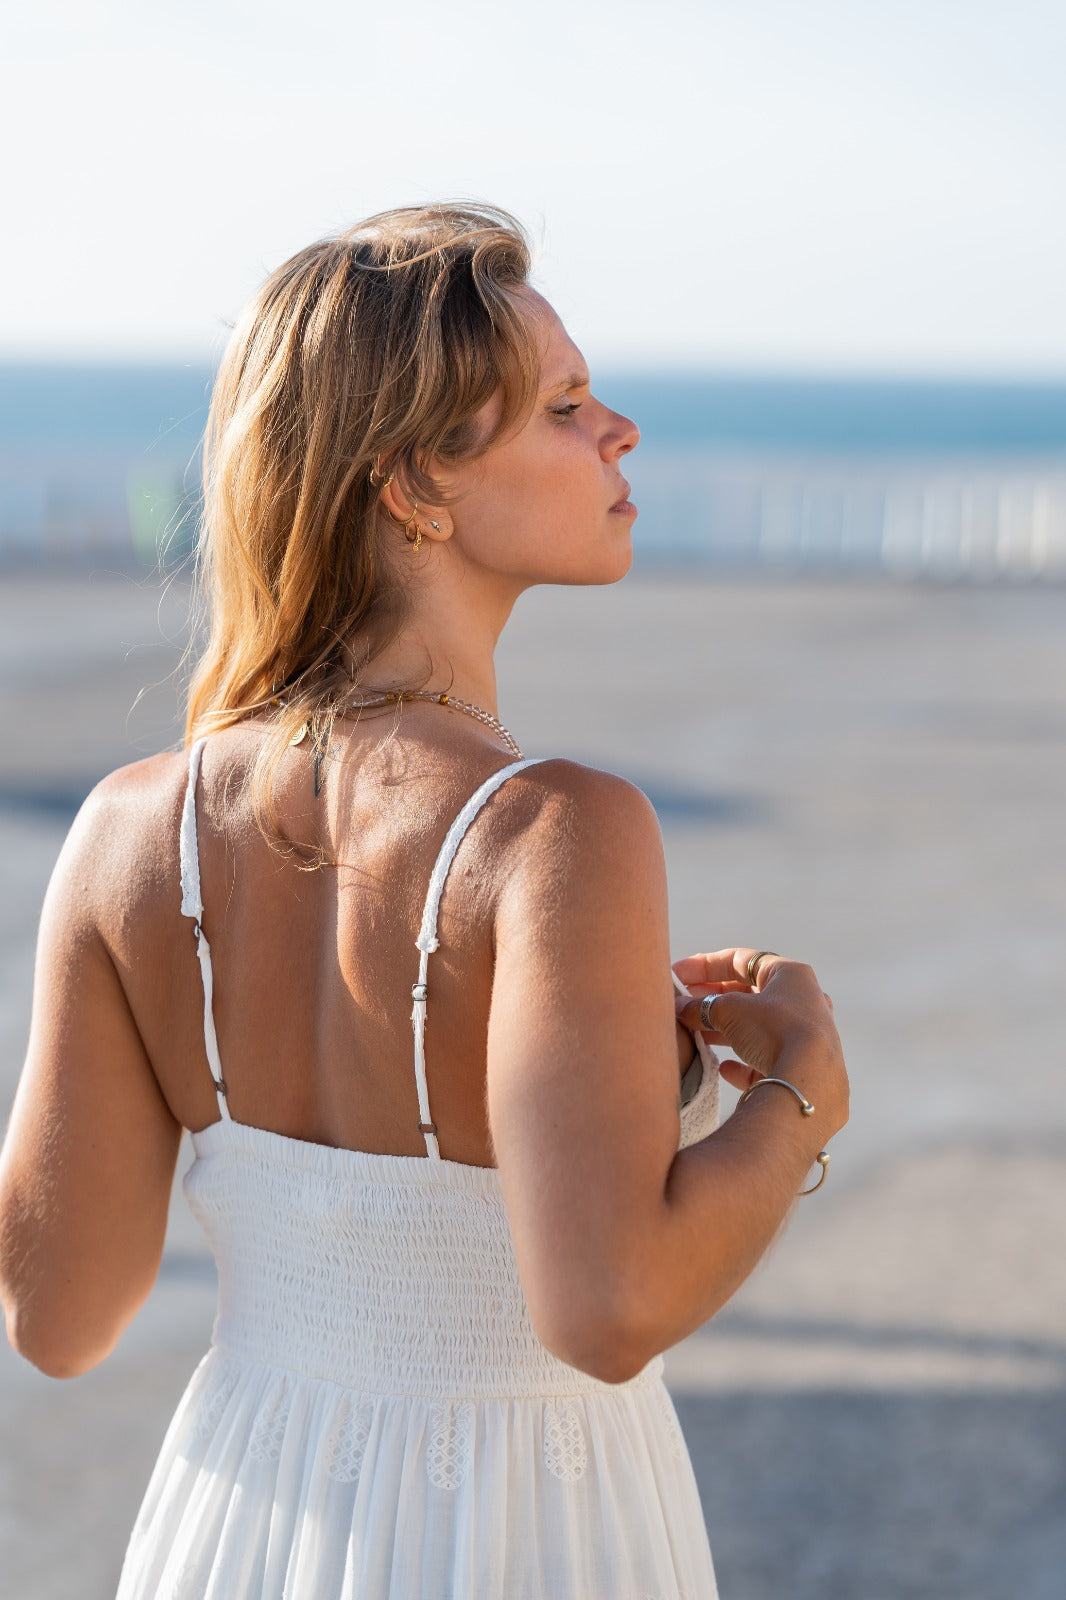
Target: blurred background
(818,253)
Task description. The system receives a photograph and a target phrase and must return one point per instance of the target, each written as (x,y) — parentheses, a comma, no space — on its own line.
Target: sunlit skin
(553,1046)
(549,504)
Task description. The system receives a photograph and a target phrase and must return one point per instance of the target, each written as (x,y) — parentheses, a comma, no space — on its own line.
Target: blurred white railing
(978,518)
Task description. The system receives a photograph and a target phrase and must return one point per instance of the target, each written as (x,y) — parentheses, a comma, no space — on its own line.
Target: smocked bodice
(390,1274)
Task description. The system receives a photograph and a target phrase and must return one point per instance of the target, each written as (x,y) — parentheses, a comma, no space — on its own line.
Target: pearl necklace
(398,696)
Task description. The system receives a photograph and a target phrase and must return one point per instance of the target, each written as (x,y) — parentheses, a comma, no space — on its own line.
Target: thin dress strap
(192,905)
(427,940)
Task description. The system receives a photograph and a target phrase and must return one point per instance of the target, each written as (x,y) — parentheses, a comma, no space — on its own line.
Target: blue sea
(914,476)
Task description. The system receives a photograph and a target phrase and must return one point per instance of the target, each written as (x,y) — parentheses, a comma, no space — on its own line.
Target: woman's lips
(625,507)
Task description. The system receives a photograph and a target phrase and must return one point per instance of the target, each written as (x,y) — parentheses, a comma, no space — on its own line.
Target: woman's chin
(624,566)
(613,566)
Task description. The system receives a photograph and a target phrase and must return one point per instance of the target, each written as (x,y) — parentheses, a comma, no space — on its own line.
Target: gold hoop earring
(411,531)
(376,479)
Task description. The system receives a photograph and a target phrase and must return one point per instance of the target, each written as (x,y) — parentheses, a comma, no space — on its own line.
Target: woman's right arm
(624,1243)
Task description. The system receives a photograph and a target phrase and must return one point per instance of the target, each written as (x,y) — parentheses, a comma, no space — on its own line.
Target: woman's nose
(624,434)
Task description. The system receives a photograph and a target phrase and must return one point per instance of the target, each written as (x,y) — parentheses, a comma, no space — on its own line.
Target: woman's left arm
(90,1151)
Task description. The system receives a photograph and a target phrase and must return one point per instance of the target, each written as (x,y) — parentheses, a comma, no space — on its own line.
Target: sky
(774,185)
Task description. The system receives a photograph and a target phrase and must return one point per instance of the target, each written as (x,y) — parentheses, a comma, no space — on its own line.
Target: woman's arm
(625,1244)
(89,1156)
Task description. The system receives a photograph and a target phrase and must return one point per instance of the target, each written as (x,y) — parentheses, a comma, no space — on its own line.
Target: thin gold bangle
(806,1110)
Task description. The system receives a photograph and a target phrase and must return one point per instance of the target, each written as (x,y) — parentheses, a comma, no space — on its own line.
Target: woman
(451,1255)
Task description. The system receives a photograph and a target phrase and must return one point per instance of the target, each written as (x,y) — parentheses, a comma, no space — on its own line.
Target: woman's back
(313,969)
(372,1328)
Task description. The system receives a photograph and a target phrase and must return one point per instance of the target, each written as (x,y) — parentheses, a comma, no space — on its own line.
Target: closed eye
(567,410)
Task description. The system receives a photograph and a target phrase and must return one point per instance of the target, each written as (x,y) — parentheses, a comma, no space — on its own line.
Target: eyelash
(567,410)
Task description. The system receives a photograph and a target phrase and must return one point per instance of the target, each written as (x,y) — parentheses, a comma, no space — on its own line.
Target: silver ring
(705,1009)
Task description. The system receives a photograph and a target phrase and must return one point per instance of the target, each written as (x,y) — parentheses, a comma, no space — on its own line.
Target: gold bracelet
(806,1110)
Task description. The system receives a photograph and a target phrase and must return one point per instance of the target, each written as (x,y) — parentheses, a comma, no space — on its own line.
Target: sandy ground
(871,777)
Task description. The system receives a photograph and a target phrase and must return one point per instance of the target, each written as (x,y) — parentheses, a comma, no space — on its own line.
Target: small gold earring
(376,479)
(411,531)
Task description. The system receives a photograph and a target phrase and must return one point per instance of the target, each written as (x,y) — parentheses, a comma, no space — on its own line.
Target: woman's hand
(783,1027)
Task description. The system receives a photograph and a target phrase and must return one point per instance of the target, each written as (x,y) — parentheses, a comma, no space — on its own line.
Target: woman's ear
(431,522)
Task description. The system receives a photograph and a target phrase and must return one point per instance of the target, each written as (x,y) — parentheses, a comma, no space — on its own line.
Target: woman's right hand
(783,1027)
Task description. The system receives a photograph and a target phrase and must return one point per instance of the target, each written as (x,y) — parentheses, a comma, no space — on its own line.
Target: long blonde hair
(373,349)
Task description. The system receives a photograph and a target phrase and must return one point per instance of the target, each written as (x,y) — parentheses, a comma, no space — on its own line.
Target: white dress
(376,1418)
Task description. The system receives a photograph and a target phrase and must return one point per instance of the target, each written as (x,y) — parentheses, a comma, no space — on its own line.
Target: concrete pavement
(869,776)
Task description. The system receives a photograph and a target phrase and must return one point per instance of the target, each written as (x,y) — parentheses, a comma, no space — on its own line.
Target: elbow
(607,1355)
(58,1364)
(614,1363)
(600,1340)
(55,1356)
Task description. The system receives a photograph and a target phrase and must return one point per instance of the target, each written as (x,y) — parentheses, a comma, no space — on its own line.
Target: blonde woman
(410,991)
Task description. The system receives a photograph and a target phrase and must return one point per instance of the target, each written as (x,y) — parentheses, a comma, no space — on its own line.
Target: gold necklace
(398,696)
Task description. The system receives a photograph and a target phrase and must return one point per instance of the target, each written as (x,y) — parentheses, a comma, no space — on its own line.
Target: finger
(732,965)
(699,991)
(704,968)
(690,1015)
(764,962)
(714,967)
(708,1035)
(738,1075)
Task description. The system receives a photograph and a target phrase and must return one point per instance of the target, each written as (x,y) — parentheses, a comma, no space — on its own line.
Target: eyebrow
(573,380)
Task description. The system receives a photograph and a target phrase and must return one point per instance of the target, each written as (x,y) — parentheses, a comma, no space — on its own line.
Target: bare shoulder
(559,799)
(122,847)
(148,792)
(561,815)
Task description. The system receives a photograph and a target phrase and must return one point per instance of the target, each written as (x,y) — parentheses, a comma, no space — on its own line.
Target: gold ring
(753,965)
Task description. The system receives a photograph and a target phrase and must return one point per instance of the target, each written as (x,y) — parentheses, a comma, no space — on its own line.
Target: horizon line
(665,371)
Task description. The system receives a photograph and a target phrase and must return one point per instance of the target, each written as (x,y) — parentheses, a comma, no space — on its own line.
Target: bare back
(550,1023)
(313,969)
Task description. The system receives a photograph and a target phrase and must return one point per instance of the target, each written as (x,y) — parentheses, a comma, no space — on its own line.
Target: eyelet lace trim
(348,1442)
(268,1434)
(565,1448)
(448,1457)
(216,1397)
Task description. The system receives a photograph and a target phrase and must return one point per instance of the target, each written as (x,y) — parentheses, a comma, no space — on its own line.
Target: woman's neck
(446,642)
(450,660)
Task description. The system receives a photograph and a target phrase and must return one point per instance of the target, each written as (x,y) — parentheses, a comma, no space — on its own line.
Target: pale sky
(820,185)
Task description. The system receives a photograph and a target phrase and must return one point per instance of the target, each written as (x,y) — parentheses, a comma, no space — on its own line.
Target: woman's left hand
(686,1035)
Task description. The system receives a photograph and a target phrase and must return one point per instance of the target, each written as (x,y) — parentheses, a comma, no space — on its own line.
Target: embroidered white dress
(375,1418)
